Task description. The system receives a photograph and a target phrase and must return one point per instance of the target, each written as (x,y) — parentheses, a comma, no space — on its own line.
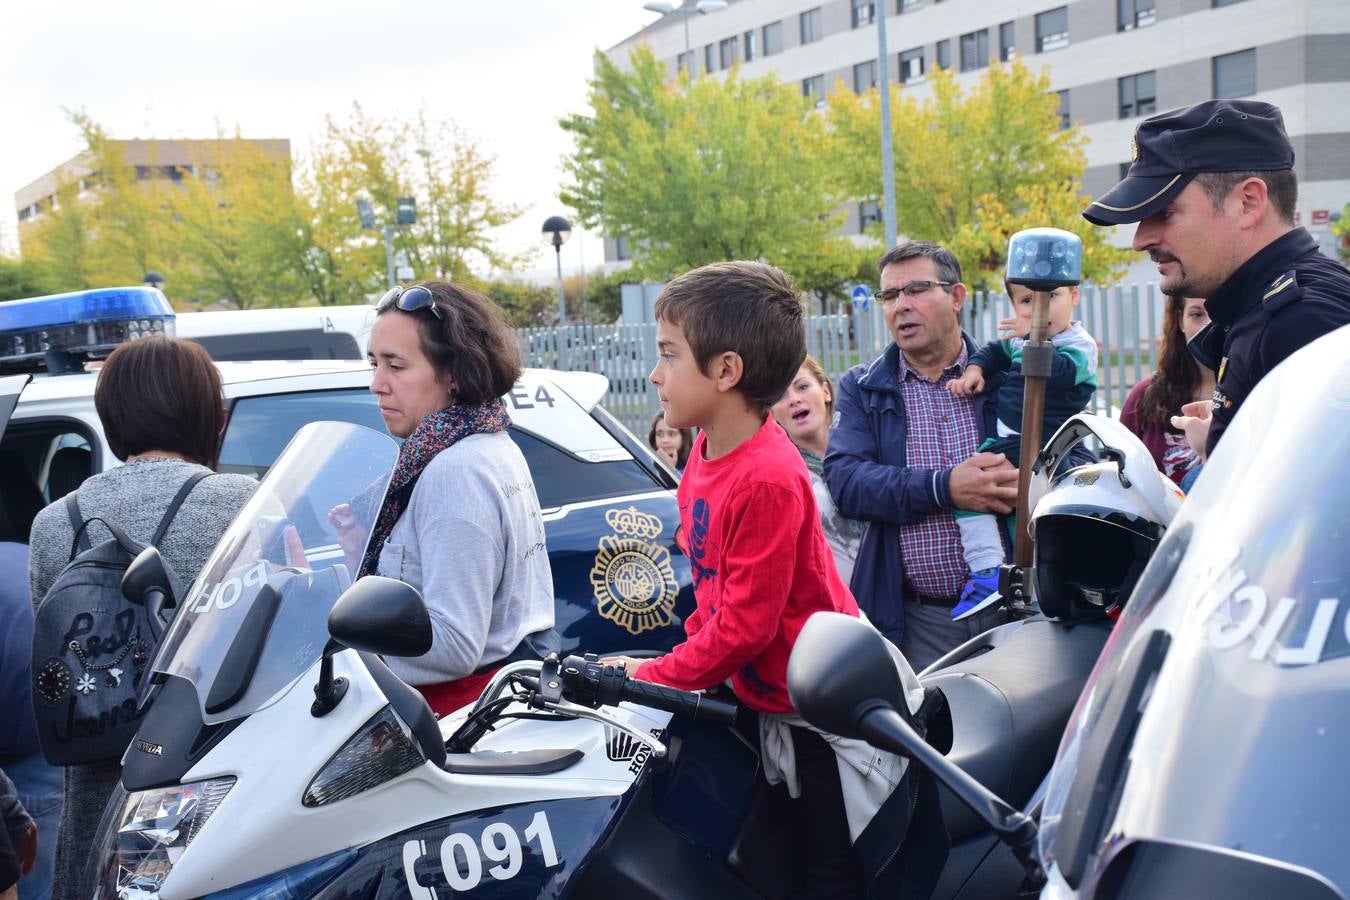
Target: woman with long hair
(1179,380)
(671,444)
(806,413)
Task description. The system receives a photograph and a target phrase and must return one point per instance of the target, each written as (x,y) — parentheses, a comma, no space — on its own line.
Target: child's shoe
(980,593)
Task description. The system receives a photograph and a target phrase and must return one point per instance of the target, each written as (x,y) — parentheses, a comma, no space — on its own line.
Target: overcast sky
(147,68)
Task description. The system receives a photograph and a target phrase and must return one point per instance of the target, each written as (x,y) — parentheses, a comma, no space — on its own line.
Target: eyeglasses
(408,300)
(913,289)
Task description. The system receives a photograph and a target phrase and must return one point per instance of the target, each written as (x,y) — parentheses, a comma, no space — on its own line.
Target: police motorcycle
(1205,755)
(281,758)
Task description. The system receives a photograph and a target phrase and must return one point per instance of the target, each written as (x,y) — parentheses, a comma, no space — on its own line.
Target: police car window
(260,427)
(308,343)
(55,456)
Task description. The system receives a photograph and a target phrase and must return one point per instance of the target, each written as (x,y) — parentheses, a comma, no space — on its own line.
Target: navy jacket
(870,480)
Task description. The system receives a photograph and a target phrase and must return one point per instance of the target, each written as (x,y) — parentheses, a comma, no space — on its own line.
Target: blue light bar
(84,323)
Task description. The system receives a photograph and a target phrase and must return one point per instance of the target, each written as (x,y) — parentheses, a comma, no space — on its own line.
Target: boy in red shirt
(731,336)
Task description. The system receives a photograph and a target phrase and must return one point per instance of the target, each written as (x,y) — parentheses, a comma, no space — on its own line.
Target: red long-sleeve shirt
(761,567)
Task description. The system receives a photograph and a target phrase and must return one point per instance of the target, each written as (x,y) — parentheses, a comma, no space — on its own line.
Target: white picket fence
(1125,320)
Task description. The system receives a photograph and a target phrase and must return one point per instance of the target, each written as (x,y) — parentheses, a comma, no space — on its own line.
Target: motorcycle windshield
(256,618)
(1218,716)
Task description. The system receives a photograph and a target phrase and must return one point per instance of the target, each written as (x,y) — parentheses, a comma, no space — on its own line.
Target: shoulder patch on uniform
(1282,291)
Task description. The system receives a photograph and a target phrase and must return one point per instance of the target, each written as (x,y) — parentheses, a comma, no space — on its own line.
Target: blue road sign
(861,296)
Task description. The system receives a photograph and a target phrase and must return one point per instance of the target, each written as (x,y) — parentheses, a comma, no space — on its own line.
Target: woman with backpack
(160,402)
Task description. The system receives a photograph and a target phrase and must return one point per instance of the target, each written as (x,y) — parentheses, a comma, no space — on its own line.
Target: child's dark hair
(747,308)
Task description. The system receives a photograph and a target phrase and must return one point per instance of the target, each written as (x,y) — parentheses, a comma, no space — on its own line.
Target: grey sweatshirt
(134,496)
(472,541)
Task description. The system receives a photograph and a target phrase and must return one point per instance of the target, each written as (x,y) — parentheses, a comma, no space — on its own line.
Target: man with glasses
(902,457)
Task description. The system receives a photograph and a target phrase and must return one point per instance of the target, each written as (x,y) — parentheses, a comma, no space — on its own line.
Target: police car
(609,506)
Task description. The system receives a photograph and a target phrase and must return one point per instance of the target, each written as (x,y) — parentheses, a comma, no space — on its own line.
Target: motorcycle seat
(511,762)
(1008,708)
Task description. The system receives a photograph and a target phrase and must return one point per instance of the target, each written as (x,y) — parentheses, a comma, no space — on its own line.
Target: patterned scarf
(435,433)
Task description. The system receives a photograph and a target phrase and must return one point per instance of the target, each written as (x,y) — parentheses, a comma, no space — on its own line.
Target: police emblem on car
(634,582)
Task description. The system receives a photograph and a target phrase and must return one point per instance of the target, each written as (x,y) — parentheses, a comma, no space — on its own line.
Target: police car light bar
(60,329)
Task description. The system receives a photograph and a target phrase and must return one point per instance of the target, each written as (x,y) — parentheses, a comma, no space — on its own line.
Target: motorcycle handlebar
(674,700)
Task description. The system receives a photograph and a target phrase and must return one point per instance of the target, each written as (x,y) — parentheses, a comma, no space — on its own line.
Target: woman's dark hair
(161,393)
(470,342)
(1178,373)
(686,440)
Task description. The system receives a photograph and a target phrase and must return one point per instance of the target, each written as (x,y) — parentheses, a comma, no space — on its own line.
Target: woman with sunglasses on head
(460,521)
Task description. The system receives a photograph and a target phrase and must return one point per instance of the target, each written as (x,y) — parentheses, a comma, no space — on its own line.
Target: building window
(1137,95)
(944,54)
(727,52)
(1052,29)
(1007,41)
(864,76)
(749,46)
(911,65)
(864,12)
(1218,3)
(773,38)
(814,87)
(904,6)
(709,59)
(869,213)
(1132,14)
(810,24)
(685,61)
(975,50)
(1065,120)
(1235,74)
(621,249)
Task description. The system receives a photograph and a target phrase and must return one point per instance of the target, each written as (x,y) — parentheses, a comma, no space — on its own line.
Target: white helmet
(1095,526)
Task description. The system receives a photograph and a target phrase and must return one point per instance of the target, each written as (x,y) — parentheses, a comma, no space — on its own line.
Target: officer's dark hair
(470,342)
(747,308)
(948,269)
(161,393)
(1281,188)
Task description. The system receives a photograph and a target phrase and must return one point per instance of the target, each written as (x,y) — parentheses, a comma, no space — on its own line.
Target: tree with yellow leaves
(972,168)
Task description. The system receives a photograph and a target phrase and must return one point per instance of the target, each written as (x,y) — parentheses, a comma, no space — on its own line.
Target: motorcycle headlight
(384,748)
(151,829)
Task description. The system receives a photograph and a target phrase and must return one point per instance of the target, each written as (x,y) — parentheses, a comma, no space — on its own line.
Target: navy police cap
(1171,148)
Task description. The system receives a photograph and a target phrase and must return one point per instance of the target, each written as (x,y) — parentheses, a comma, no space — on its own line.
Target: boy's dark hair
(470,342)
(161,393)
(747,308)
(948,269)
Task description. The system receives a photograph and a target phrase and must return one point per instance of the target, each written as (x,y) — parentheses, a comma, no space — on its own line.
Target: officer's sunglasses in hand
(408,300)
(913,289)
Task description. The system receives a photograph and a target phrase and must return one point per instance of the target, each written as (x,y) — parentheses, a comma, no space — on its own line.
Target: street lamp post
(559,230)
(665,8)
(887,152)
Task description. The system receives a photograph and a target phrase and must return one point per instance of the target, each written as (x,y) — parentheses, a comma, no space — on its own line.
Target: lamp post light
(559,230)
(703,7)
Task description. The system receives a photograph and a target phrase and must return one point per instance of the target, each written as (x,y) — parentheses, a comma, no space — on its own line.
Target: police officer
(1213,189)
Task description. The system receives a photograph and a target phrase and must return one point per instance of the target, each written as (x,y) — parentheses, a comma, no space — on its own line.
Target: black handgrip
(683,703)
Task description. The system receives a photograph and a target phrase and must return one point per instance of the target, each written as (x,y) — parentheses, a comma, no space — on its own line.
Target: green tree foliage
(694,172)
(525,305)
(1341,228)
(972,168)
(18,279)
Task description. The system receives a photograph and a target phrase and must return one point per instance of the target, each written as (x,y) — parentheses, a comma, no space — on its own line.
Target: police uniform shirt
(1284,297)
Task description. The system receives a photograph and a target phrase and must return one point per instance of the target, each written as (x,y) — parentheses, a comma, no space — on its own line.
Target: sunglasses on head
(408,300)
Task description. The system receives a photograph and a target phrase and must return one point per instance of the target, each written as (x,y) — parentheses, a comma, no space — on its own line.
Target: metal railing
(1124,319)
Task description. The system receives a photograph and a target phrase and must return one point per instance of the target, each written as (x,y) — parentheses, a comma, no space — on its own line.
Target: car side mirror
(375,615)
(146,581)
(839,671)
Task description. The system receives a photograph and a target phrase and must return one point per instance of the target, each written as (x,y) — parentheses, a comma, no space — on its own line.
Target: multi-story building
(167,160)
(1111,62)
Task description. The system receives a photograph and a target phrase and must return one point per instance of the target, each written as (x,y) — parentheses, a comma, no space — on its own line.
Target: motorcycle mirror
(840,670)
(146,581)
(382,616)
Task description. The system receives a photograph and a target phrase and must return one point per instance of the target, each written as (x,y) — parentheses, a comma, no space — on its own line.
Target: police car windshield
(1217,716)
(213,641)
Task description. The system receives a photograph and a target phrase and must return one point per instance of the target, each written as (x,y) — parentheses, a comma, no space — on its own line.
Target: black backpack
(91,645)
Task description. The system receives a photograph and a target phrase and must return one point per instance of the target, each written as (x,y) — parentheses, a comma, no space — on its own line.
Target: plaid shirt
(941,432)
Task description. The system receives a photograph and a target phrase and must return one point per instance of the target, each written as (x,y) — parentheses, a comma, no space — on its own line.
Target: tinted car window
(307,343)
(260,427)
